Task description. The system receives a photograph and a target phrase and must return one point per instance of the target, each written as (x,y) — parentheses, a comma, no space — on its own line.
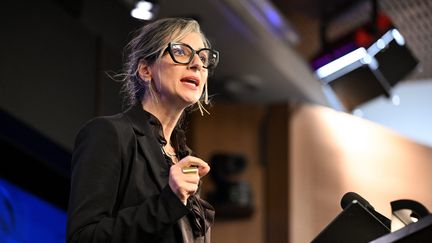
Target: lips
(191,79)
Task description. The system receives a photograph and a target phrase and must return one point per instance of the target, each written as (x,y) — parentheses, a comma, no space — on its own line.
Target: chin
(191,99)
(189,102)
(193,102)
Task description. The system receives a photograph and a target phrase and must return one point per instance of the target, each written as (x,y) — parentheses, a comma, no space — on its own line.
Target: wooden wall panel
(277,173)
(233,129)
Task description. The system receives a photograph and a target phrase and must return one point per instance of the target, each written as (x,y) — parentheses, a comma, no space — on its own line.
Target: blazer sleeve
(96,170)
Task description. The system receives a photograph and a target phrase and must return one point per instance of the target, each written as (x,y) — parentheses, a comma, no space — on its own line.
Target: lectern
(418,232)
(355,224)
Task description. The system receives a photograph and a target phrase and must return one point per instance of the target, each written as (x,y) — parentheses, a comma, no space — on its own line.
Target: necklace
(169,154)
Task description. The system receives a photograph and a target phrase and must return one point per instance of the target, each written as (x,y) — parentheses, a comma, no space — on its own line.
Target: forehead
(193,39)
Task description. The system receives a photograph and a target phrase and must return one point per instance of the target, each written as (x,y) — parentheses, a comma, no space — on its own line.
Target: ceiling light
(143,10)
(342,62)
(395,100)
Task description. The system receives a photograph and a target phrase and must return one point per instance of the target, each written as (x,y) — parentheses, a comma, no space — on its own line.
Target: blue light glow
(273,16)
(27,218)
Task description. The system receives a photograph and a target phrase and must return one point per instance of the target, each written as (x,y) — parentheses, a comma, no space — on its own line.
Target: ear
(144,71)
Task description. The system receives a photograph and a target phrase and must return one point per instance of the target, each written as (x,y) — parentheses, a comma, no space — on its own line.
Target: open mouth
(191,80)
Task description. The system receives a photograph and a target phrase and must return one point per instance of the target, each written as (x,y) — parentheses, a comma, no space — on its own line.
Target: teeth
(191,81)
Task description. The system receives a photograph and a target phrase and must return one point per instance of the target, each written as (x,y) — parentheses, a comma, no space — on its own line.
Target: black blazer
(119,184)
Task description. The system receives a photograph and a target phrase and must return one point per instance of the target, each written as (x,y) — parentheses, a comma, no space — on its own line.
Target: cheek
(165,76)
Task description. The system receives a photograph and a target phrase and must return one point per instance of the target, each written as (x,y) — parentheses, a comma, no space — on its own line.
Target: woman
(133,177)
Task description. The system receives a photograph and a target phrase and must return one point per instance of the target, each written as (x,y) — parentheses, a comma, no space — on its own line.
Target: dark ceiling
(263,63)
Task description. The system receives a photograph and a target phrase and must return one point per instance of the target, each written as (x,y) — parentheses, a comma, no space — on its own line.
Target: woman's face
(180,85)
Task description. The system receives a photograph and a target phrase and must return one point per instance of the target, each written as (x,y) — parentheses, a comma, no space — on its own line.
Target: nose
(196,63)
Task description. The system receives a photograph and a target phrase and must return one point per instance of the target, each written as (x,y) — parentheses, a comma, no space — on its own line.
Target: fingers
(191,162)
(185,176)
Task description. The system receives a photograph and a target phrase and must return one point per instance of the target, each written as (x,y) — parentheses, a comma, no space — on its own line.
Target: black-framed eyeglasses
(183,54)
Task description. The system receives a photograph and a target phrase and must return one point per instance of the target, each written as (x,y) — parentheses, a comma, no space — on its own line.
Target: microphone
(351,197)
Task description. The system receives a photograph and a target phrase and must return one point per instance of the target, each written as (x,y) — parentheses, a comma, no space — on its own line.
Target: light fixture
(343,64)
(143,10)
(395,100)
(394,57)
(354,79)
(364,74)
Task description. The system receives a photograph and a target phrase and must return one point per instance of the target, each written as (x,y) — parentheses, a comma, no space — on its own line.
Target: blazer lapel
(154,156)
(148,142)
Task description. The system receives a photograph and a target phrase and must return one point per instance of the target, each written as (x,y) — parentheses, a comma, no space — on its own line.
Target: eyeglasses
(184,54)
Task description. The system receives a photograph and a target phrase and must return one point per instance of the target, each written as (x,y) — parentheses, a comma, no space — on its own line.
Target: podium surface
(418,232)
(355,224)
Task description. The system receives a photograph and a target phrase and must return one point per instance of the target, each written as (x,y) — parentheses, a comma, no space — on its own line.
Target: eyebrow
(191,46)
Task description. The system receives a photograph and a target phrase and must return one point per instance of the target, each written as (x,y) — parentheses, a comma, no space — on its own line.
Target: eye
(203,57)
(179,50)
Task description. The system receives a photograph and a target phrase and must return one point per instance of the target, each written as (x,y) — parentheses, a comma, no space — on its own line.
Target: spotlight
(395,60)
(354,78)
(395,99)
(143,10)
(364,63)
(364,74)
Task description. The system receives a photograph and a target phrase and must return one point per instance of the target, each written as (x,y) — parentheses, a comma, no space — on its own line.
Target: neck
(166,114)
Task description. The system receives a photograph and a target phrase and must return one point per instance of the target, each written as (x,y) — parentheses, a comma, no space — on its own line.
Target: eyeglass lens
(184,54)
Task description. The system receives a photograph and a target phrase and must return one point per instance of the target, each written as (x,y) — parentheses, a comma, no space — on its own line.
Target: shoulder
(103,136)
(103,122)
(104,126)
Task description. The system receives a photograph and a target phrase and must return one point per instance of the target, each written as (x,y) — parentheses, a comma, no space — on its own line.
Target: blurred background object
(232,195)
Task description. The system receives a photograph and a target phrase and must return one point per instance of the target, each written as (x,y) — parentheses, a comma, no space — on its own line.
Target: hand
(186,184)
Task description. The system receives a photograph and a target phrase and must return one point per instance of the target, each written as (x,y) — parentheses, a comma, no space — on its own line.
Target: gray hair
(147,47)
